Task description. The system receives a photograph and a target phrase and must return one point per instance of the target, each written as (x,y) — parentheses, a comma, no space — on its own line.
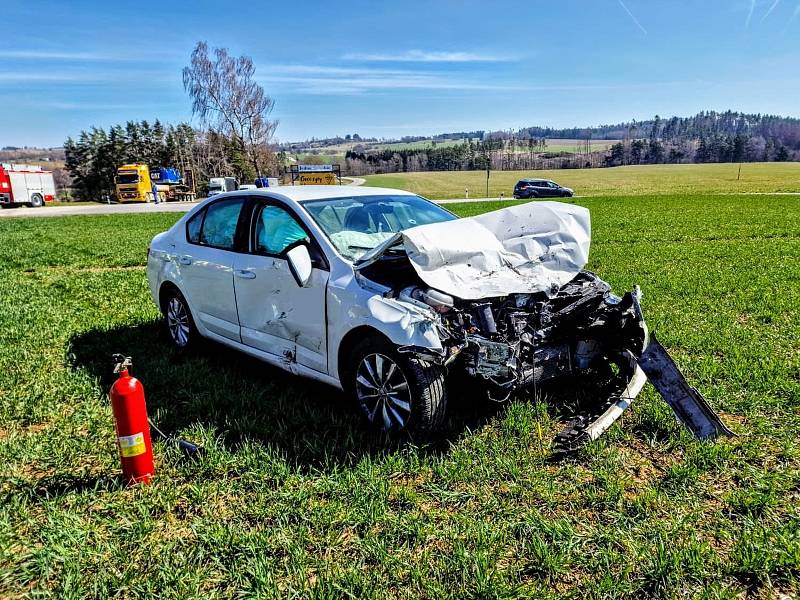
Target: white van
(218,185)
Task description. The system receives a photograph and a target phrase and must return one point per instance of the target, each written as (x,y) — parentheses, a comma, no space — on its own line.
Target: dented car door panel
(277,315)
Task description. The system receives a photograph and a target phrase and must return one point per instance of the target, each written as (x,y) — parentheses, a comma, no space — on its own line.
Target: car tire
(36,201)
(178,319)
(395,391)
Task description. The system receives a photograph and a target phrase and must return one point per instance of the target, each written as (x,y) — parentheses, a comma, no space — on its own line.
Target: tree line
(233,137)
(705,137)
(491,153)
(92,159)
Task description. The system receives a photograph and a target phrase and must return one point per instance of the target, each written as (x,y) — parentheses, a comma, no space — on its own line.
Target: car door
(276,314)
(206,262)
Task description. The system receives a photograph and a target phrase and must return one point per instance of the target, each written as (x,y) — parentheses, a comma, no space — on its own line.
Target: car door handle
(185,260)
(245,274)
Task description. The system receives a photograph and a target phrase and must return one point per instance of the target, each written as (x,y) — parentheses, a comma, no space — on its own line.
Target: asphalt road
(95,209)
(115,209)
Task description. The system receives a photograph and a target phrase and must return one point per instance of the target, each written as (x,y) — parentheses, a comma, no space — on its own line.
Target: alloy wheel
(178,321)
(383,392)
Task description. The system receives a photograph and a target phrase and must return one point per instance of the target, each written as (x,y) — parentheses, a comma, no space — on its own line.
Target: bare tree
(226,98)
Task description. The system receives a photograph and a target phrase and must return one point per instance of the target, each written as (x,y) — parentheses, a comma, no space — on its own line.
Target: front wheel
(395,391)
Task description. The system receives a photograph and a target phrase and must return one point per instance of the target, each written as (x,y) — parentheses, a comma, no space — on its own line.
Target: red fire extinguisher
(133,429)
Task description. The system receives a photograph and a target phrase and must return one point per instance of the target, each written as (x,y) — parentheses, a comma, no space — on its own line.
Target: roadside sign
(316,174)
(317,179)
(315,168)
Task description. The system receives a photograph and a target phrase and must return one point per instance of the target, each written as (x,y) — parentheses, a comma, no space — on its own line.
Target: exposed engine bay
(568,328)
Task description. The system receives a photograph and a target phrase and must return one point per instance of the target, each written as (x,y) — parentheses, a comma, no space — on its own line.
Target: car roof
(303,193)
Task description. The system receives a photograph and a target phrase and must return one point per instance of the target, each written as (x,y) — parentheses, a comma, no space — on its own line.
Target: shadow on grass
(65,483)
(241,399)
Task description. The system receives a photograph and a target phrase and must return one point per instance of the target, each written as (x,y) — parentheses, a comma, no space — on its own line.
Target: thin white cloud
(45,55)
(326,70)
(772,7)
(73,106)
(749,14)
(428,56)
(375,83)
(633,18)
(324,79)
(136,55)
(328,80)
(39,76)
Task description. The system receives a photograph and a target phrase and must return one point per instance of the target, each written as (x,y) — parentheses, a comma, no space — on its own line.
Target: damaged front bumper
(580,333)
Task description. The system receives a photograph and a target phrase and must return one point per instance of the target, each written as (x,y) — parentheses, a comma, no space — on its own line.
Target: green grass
(294,498)
(617,181)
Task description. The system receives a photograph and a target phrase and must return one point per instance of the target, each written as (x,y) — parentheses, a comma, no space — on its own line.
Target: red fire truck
(25,184)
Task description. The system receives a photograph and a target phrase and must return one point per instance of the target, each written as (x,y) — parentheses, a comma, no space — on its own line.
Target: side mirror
(300,264)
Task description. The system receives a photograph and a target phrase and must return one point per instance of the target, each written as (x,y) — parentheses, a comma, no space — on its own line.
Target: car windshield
(128,178)
(357,224)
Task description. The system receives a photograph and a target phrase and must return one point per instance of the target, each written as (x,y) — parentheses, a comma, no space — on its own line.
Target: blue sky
(389,69)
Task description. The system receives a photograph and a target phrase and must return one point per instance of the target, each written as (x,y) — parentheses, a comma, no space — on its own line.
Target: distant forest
(705,137)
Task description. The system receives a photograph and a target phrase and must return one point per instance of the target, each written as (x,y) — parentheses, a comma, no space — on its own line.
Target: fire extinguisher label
(131,445)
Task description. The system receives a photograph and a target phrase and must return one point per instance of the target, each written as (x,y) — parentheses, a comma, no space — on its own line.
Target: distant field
(617,181)
(418,145)
(326,159)
(558,145)
(294,498)
(553,145)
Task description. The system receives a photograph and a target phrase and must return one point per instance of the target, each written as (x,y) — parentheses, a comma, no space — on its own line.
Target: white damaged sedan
(387,295)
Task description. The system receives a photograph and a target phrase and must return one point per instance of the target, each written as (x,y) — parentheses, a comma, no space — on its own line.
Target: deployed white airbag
(533,247)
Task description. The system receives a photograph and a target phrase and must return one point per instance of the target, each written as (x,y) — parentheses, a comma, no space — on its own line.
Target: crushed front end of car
(514,309)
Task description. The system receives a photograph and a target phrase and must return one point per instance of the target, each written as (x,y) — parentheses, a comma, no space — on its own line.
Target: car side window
(219,226)
(193,227)
(275,230)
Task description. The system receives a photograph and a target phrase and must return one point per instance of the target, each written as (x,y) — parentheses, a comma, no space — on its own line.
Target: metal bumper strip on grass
(687,403)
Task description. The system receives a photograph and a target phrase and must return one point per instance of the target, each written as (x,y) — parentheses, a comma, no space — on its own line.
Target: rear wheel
(36,201)
(180,325)
(395,391)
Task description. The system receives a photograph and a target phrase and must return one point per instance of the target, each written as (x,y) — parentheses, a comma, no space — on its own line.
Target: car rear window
(216,225)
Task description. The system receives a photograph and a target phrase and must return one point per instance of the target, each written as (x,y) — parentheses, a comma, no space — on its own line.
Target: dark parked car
(541,188)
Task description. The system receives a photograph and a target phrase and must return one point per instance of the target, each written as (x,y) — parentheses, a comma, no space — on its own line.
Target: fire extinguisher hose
(189,449)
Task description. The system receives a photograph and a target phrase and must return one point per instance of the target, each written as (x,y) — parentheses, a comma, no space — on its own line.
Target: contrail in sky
(750,14)
(634,19)
(771,8)
(794,15)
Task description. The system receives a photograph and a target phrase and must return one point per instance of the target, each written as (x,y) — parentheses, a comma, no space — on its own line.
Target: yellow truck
(135,182)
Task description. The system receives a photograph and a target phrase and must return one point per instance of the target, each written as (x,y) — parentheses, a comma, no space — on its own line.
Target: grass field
(294,498)
(644,179)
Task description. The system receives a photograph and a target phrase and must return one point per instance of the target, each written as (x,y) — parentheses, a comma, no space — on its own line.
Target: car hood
(530,248)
